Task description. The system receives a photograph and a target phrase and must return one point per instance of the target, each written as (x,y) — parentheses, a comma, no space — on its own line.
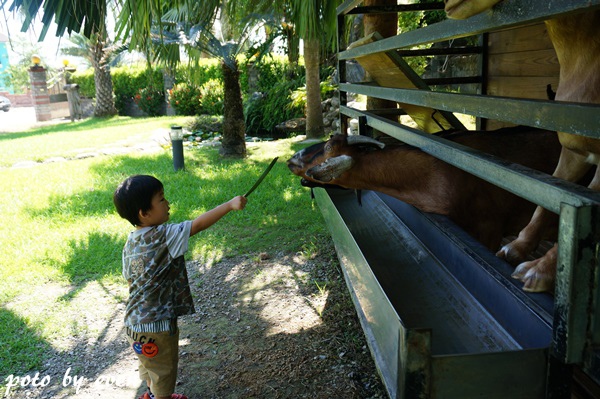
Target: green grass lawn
(61,239)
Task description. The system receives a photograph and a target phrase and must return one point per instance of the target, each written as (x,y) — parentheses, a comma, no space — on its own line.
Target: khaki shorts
(158,355)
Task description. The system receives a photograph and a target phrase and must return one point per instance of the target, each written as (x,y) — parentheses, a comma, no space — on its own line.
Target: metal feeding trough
(441,314)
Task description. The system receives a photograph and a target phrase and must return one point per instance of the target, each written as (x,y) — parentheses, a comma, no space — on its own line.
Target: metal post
(574,294)
(574,282)
(177,144)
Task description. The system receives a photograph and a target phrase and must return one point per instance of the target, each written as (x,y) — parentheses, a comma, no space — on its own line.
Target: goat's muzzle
(295,166)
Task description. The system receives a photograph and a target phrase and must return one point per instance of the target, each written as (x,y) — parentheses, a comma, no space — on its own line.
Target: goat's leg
(529,238)
(572,167)
(539,275)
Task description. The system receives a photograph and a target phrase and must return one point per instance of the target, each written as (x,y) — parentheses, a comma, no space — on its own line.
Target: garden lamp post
(177,144)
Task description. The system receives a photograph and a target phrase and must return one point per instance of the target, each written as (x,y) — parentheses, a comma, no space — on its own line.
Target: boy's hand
(238,203)
(209,218)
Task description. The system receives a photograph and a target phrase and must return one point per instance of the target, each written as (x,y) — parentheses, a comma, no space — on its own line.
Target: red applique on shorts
(149,349)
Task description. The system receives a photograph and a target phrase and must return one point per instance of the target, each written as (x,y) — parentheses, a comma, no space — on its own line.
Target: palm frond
(70,16)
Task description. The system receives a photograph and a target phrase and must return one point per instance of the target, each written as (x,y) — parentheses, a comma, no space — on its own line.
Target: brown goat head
(324,162)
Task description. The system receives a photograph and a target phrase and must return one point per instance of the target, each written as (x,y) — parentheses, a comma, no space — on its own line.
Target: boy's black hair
(135,195)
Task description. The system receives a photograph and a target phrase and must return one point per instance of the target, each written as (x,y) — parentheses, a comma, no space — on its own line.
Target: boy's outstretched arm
(209,218)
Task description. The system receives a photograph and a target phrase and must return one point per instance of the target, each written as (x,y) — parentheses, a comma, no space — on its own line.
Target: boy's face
(159,213)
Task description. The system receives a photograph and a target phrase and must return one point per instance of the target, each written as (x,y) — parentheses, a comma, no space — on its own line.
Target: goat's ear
(331,169)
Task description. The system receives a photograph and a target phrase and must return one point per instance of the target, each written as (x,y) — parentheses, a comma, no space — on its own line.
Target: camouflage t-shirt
(154,267)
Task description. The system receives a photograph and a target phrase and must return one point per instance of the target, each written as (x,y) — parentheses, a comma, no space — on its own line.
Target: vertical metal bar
(592,357)
(341,65)
(574,282)
(595,320)
(363,128)
(483,72)
(575,288)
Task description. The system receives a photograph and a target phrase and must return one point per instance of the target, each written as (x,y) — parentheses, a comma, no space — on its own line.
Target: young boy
(154,267)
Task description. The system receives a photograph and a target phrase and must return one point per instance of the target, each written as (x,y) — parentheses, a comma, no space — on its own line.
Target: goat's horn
(331,168)
(358,139)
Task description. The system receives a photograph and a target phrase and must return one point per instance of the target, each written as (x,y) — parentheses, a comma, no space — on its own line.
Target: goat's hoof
(511,254)
(534,277)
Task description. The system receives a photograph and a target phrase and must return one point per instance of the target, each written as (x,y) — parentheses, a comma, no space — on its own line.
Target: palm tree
(81,47)
(200,38)
(136,20)
(105,104)
(95,52)
(176,30)
(165,26)
(314,20)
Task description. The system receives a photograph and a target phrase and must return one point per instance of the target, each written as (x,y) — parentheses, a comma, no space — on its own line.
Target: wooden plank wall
(522,62)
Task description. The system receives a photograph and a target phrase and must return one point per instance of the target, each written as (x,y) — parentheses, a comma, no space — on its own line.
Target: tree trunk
(314,114)
(105,103)
(234,126)
(387,25)
(293,45)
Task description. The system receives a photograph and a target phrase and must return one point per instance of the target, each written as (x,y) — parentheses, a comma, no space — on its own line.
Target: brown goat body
(485,211)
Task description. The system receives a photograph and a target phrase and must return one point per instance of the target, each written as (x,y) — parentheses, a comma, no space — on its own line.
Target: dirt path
(267,326)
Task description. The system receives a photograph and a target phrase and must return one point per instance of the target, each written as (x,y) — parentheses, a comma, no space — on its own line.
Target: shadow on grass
(92,259)
(21,348)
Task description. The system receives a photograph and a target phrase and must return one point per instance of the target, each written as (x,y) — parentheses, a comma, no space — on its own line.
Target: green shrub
(206,123)
(128,81)
(150,100)
(275,71)
(298,96)
(185,99)
(327,89)
(266,110)
(211,97)
(272,103)
(85,80)
(200,73)
(254,109)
